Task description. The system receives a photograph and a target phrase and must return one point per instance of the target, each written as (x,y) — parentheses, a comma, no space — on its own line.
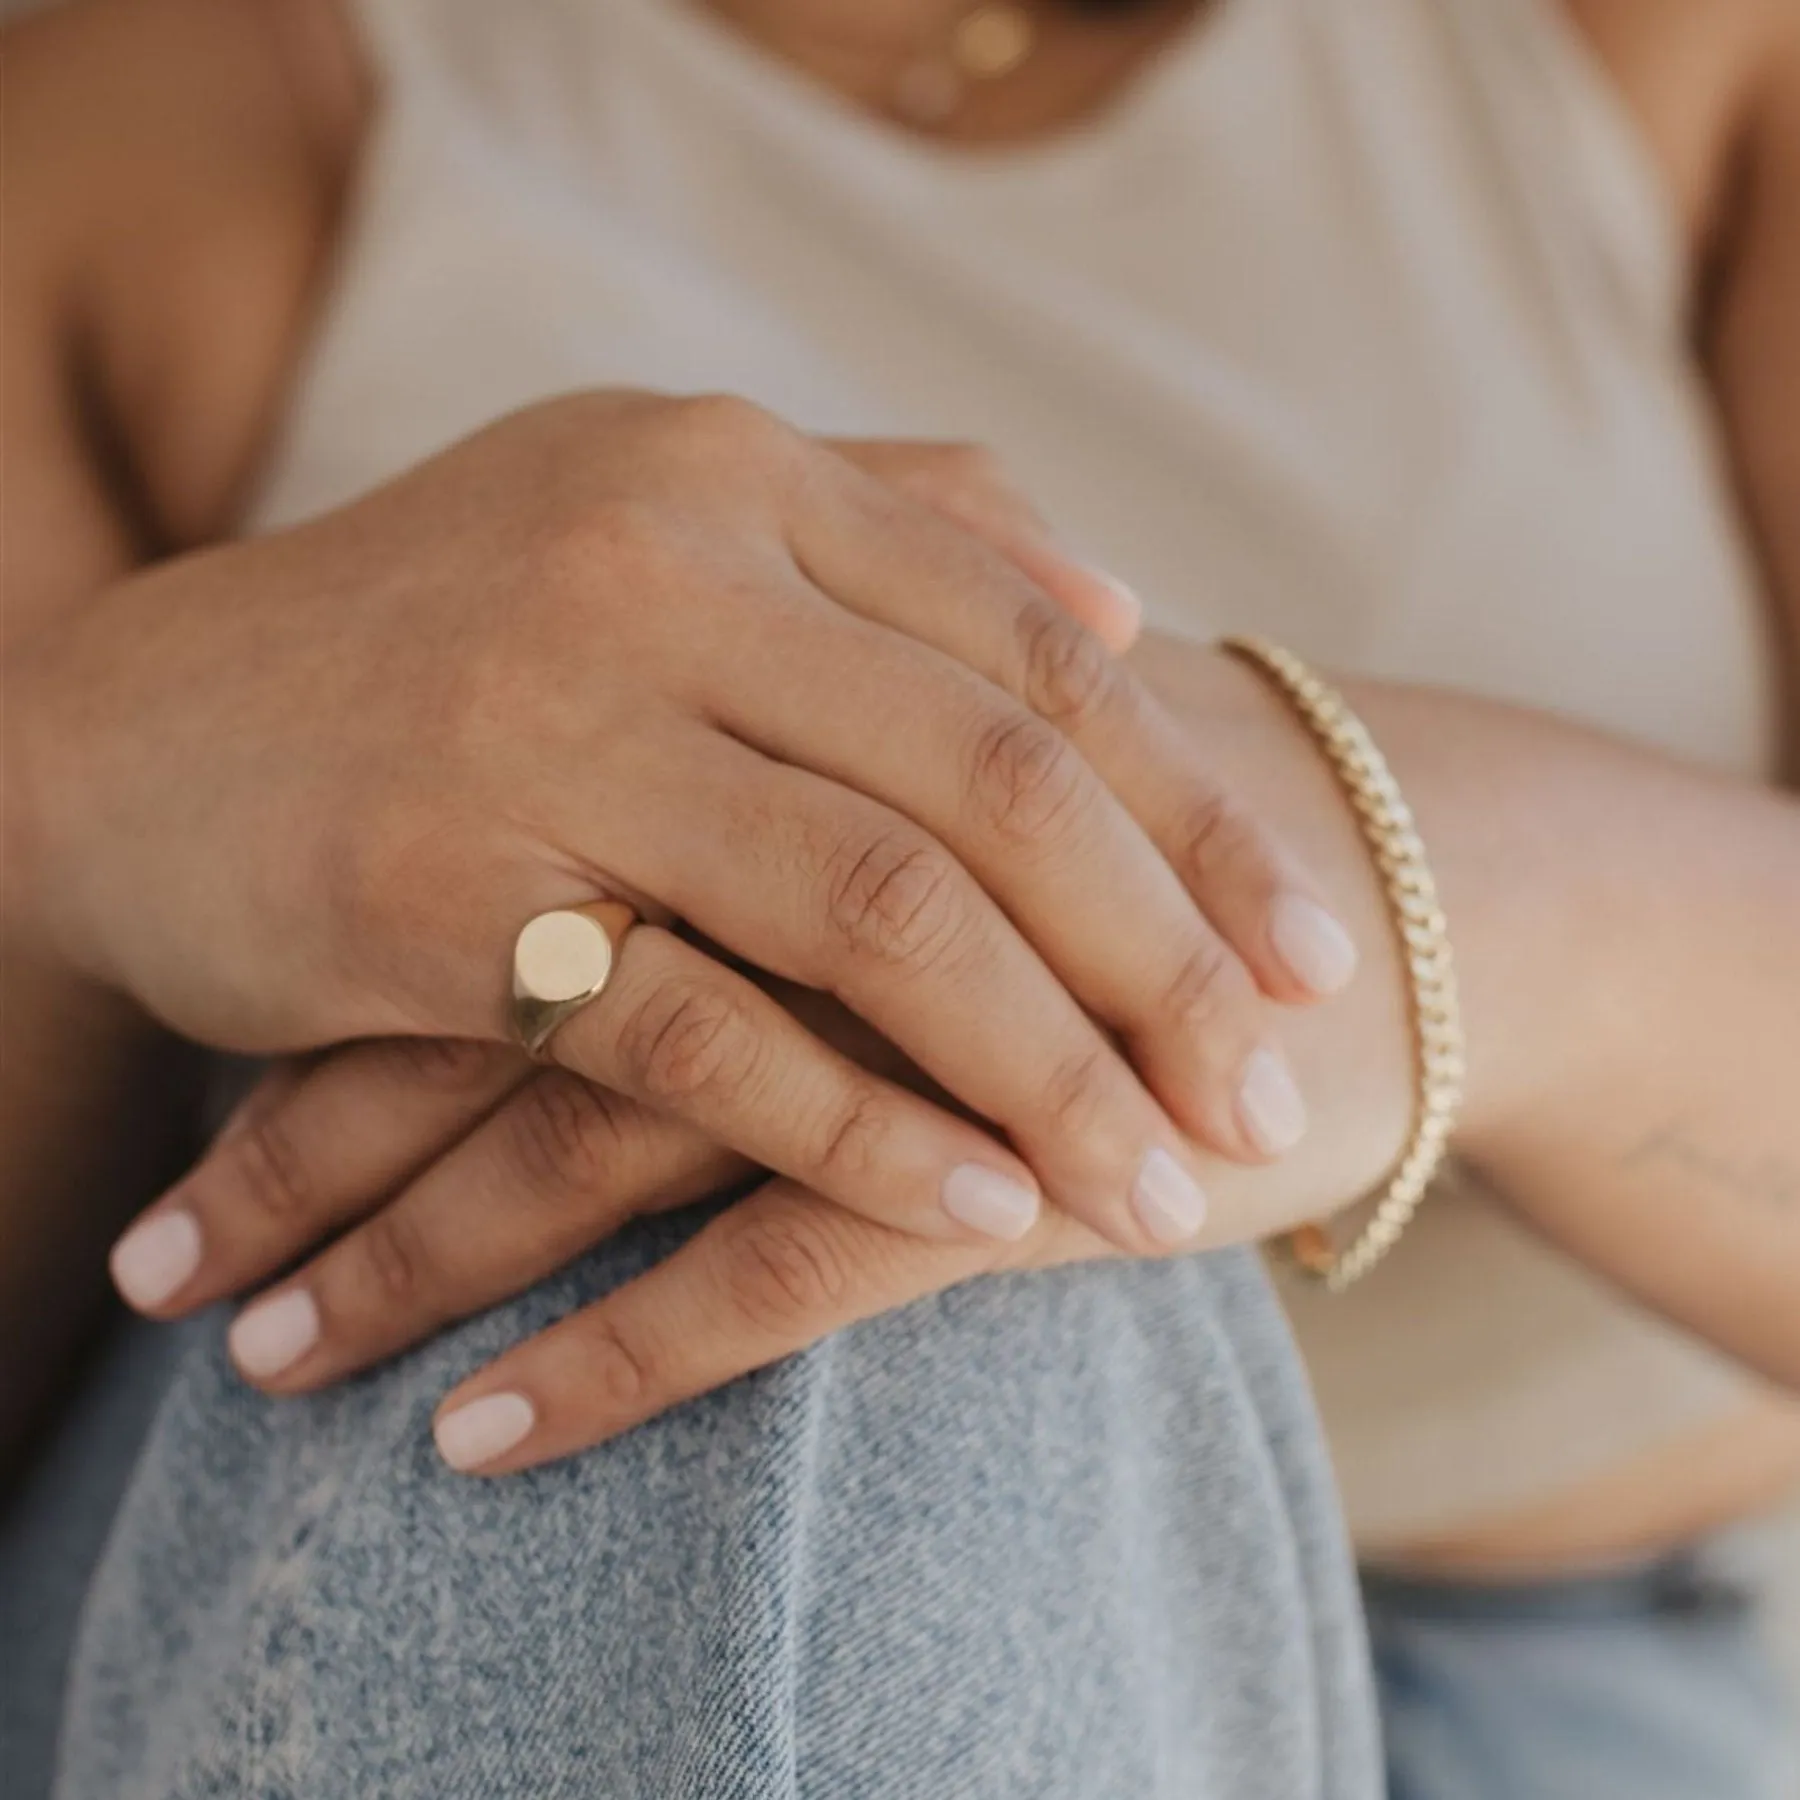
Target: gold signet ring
(561,961)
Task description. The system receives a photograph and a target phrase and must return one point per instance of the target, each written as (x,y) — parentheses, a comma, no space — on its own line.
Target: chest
(1281,368)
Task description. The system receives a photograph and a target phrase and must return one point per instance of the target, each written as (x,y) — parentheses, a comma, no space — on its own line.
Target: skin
(810,738)
(1628,1147)
(1569,1125)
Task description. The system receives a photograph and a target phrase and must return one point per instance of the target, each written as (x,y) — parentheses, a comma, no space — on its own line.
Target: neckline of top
(808,108)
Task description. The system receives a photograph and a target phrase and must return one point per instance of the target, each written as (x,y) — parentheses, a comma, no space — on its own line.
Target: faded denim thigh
(1067,1536)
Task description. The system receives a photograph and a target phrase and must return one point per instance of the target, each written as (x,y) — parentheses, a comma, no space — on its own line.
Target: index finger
(769,1276)
(901,564)
(969,484)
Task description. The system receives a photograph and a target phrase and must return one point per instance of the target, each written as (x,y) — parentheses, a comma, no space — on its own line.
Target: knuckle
(722,416)
(715,428)
(266,1167)
(565,1133)
(1075,1096)
(787,1268)
(688,1042)
(1070,678)
(617,1374)
(895,899)
(1215,834)
(396,1259)
(1207,987)
(1026,780)
(854,1137)
(966,481)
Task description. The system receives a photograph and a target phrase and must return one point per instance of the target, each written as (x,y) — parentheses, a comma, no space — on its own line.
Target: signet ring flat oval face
(562,961)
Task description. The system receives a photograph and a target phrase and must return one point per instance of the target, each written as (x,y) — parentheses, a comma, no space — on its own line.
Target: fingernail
(156,1259)
(483,1429)
(274,1334)
(1319,952)
(1131,607)
(1269,1104)
(1168,1200)
(988,1202)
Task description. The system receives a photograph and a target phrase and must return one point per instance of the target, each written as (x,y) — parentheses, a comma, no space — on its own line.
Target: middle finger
(1019,805)
(557,1169)
(826,887)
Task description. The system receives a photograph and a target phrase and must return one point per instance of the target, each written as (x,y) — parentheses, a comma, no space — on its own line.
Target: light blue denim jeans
(1067,1536)
(1649,1684)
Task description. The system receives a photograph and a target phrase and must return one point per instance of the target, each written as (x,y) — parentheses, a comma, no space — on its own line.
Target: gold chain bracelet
(1393,839)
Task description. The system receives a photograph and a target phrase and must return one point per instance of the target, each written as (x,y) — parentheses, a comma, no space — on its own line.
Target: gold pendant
(991,42)
(987,43)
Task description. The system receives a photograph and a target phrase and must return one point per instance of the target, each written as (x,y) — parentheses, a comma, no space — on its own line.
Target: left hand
(460,1174)
(455,1175)
(466,1173)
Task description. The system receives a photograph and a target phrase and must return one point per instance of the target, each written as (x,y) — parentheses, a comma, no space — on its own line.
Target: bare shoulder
(172,174)
(1716,87)
(1697,75)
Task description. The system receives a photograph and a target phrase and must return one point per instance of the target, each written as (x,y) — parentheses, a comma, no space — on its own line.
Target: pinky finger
(769,1276)
(314,1146)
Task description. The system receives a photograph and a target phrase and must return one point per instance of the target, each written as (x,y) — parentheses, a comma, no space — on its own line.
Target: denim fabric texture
(1065,1536)
(53,1525)
(1648,1684)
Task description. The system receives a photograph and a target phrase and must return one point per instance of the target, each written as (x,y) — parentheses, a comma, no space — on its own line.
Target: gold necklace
(987,43)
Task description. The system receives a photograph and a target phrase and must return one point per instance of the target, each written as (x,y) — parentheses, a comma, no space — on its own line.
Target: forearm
(94,1100)
(97,1100)
(1626,936)
(93,1105)
(83,1095)
(91,1108)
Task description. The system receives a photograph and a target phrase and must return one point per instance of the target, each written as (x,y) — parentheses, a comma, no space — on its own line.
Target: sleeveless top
(1356,322)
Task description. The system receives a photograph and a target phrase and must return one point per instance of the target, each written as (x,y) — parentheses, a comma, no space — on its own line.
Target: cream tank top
(1357,322)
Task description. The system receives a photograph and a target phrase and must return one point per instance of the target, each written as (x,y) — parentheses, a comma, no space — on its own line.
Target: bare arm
(1676,1167)
(73,1058)
(1628,929)
(1752,332)
(122,436)
(1624,927)
(1627,935)
(1633,930)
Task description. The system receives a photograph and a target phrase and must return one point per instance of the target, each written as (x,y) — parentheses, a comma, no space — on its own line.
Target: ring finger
(691,1038)
(561,1166)
(828,888)
(311,1149)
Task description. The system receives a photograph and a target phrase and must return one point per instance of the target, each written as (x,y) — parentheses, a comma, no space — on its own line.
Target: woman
(631,194)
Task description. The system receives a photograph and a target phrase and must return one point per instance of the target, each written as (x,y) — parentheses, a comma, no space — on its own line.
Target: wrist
(70,819)
(1534,929)
(35,921)
(1353,1054)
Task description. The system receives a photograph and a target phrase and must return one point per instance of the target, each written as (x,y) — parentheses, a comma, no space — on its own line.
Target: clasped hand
(946,921)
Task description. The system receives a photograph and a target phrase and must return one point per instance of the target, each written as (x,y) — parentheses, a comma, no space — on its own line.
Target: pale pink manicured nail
(156,1258)
(1270,1105)
(274,1334)
(1319,952)
(1131,607)
(1168,1200)
(988,1202)
(483,1429)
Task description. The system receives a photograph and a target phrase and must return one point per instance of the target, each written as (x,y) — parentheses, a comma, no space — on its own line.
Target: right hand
(308,788)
